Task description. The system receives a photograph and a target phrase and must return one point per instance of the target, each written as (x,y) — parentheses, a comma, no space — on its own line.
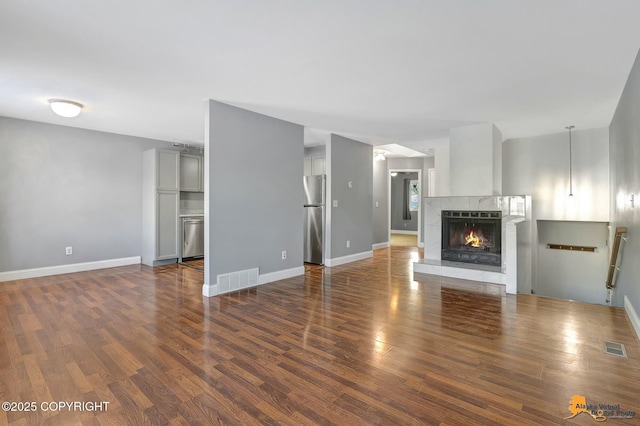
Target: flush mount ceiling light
(379,156)
(64,108)
(570,168)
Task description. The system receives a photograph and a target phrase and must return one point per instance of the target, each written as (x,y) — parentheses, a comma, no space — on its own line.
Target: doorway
(405,207)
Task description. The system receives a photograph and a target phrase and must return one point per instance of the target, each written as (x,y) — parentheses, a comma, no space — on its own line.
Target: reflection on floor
(404,240)
(194,263)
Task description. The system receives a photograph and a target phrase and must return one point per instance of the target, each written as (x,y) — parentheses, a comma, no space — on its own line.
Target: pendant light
(570,167)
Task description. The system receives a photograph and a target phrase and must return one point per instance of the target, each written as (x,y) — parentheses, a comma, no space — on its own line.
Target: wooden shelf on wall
(571,247)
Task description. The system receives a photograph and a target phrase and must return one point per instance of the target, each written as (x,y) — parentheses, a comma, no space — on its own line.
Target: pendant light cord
(570,165)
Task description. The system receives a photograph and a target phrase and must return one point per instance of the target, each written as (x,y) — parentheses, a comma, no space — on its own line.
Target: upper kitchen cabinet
(167,166)
(315,161)
(191,173)
(314,165)
(318,165)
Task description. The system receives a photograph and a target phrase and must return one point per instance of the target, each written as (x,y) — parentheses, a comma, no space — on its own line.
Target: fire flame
(472,240)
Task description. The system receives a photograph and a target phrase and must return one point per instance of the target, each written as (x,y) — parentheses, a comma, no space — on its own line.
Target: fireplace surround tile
(433,210)
(455,203)
(433,245)
(489,203)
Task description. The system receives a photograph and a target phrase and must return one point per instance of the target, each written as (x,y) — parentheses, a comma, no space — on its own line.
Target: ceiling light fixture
(64,108)
(379,156)
(570,168)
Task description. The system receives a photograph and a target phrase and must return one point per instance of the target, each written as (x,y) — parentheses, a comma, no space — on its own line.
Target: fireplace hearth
(472,237)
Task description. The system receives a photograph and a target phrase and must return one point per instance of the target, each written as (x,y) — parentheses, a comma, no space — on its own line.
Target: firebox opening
(472,237)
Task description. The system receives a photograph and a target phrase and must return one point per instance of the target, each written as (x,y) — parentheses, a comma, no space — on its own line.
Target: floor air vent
(616,349)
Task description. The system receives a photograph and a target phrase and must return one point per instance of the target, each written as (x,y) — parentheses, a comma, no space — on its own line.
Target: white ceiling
(386,72)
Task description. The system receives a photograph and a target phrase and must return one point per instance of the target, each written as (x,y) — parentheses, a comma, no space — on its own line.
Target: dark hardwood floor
(356,344)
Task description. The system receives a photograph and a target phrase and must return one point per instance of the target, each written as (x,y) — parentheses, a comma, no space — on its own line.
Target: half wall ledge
(465,271)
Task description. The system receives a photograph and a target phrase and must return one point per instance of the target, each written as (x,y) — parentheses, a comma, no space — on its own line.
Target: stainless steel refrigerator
(314,218)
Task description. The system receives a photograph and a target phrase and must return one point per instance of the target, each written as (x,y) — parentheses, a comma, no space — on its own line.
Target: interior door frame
(420,192)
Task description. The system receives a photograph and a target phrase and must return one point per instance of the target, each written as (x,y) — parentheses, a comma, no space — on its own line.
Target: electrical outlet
(350,184)
(284,254)
(68,251)
(348,243)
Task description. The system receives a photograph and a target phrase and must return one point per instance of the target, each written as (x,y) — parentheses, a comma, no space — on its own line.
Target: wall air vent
(237,280)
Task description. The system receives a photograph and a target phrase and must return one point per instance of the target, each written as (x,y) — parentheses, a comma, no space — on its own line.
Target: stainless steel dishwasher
(192,237)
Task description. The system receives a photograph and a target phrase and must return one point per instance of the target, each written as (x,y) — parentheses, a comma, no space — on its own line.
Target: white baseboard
(209,290)
(67,269)
(394,231)
(633,316)
(348,259)
(380,245)
(280,275)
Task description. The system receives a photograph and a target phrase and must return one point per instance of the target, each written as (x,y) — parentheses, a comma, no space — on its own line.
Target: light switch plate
(335,203)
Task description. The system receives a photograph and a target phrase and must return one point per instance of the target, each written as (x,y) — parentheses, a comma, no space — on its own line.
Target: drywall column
(380,203)
(350,171)
(441,164)
(475,160)
(253,196)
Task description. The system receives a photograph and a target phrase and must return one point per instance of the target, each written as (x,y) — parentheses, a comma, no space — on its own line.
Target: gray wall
(255,198)
(539,166)
(63,186)
(353,218)
(397,204)
(380,202)
(571,274)
(624,154)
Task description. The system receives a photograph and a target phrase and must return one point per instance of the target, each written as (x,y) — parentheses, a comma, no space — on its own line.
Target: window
(414,196)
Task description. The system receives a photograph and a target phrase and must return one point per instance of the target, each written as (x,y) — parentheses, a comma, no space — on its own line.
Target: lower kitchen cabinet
(167,205)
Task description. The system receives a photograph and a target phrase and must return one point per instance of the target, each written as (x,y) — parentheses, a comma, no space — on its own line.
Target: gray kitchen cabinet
(318,165)
(160,206)
(167,170)
(314,165)
(191,173)
(307,166)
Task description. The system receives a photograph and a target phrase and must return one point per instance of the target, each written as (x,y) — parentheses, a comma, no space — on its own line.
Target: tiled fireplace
(473,238)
